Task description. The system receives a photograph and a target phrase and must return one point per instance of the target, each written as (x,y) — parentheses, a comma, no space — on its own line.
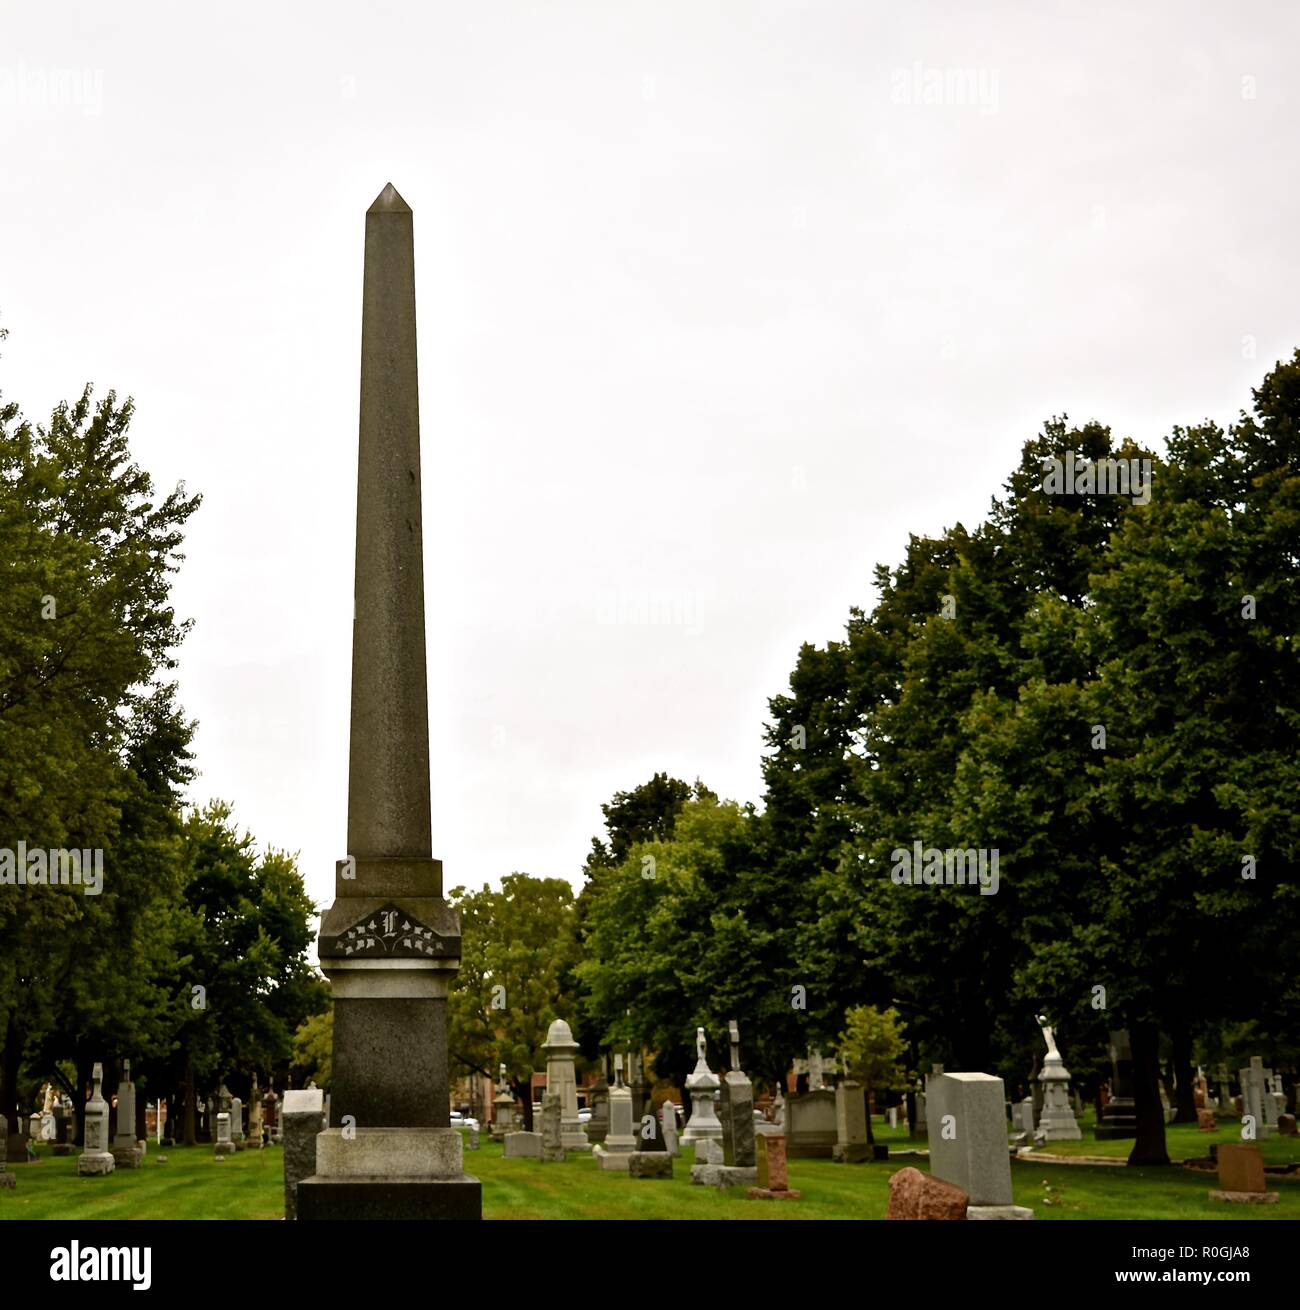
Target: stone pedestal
(96,1158)
(702,1087)
(1057,1122)
(561,1081)
(621,1137)
(503,1114)
(389,943)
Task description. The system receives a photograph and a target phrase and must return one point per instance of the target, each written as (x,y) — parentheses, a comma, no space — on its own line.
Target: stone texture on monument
(668,1126)
(723,1175)
(1286,1125)
(771,1162)
(612,1160)
(561,1080)
(917,1195)
(702,1087)
(552,1129)
(621,1137)
(737,1119)
(1241,1175)
(1257,1098)
(1206,1121)
(7,1179)
(1241,1167)
(223,1146)
(237,1123)
(1056,1121)
(126,1150)
(851,1145)
(390,943)
(522,1145)
(503,1108)
(96,1158)
(649,1164)
(707,1151)
(300,1113)
(968,1136)
(810,1125)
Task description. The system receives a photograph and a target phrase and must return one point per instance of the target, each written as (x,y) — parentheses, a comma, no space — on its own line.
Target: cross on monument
(733,1031)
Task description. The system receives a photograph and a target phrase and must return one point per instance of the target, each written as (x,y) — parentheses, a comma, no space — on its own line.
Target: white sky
(709,316)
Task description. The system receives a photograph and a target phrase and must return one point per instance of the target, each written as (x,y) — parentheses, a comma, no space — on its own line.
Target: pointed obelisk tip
(389,202)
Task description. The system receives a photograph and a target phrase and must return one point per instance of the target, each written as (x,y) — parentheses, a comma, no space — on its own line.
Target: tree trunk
(525,1092)
(1149,1147)
(9,1078)
(1185,1111)
(191,1127)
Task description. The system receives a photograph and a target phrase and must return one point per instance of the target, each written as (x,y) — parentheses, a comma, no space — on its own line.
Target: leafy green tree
(313,1050)
(92,746)
(519,953)
(872,1046)
(245,925)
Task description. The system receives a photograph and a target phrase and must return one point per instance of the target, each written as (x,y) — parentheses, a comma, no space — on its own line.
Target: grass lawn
(191,1185)
(1182,1141)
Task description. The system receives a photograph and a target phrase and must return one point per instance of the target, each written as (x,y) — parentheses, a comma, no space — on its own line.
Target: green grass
(250,1186)
(1182,1141)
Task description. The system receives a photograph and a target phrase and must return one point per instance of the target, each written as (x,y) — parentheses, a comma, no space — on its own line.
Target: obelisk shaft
(388,763)
(390,944)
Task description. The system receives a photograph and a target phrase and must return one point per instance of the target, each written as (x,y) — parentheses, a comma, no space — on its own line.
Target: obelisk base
(390,1173)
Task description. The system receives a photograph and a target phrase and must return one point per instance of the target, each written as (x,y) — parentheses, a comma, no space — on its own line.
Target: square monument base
(390,1198)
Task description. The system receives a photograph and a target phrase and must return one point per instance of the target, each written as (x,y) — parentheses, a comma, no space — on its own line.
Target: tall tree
(518,957)
(92,746)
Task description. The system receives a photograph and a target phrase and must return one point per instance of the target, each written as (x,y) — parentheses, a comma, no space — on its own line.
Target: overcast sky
(717,302)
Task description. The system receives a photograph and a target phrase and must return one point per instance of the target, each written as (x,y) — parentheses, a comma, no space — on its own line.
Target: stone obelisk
(389,944)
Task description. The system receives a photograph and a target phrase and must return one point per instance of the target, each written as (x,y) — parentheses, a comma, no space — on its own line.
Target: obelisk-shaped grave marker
(389,944)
